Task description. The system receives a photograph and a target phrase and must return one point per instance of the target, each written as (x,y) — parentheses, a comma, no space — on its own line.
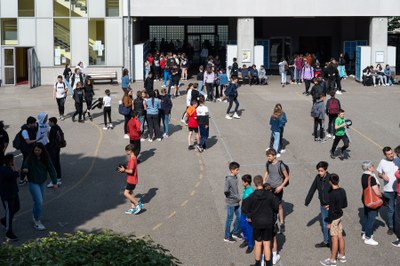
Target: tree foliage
(393,23)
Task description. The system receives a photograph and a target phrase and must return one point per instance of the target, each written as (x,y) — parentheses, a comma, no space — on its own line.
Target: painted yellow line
(157,226)
(201,176)
(184,203)
(172,214)
(197,184)
(193,192)
(82,179)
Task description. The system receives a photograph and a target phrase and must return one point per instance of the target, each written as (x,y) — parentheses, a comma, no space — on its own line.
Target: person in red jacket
(134,132)
(193,125)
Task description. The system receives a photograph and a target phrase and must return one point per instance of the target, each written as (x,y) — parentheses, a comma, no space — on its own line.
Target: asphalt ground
(182,190)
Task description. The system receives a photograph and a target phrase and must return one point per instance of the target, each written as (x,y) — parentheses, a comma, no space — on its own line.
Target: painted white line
(222,139)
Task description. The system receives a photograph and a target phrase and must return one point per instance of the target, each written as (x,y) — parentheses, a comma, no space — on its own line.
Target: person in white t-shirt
(386,170)
(107,109)
(60,94)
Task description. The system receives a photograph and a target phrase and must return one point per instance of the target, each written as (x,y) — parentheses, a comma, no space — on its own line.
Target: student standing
(125,79)
(245,222)
(152,106)
(4,140)
(232,200)
(131,180)
(53,149)
(337,202)
(134,131)
(165,111)
(203,121)
(307,74)
(89,93)
(193,125)
(321,184)
(260,208)
(60,95)
(9,194)
(107,109)
(332,110)
(28,133)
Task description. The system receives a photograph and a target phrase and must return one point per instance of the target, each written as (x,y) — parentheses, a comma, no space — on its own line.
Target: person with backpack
(321,184)
(307,74)
(56,142)
(60,95)
(24,141)
(318,88)
(232,94)
(77,77)
(4,140)
(317,112)
(332,110)
(78,98)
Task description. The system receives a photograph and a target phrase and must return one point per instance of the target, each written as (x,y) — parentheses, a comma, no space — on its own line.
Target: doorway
(320,46)
(15,65)
(280,47)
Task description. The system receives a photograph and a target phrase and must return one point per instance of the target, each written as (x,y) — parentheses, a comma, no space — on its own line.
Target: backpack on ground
(333,106)
(280,164)
(59,140)
(18,141)
(315,110)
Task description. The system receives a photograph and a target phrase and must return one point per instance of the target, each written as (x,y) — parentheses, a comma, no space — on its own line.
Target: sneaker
(328,262)
(341,258)
(190,147)
(219,100)
(339,92)
(322,245)
(105,128)
(249,250)
(228,117)
(11,237)
(138,208)
(150,140)
(244,244)
(275,259)
(322,141)
(328,135)
(396,243)
(267,149)
(165,135)
(390,231)
(363,236)
(371,242)
(159,139)
(130,211)
(183,121)
(283,227)
(332,155)
(235,115)
(62,118)
(239,236)
(39,226)
(111,126)
(199,148)
(230,240)
(126,136)
(142,139)
(283,151)
(22,182)
(278,155)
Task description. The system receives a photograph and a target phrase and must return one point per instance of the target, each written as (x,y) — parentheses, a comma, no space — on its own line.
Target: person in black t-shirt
(337,202)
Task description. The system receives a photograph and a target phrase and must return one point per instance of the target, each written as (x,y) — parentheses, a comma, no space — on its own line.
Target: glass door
(9,66)
(280,47)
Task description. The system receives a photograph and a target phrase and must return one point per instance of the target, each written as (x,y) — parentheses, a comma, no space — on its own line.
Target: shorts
(195,129)
(279,196)
(130,186)
(263,234)
(336,227)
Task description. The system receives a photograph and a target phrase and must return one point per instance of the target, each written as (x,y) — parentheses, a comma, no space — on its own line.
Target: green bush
(102,248)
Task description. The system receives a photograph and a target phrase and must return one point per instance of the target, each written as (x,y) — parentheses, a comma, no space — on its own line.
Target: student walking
(193,125)
(318,113)
(60,95)
(232,200)
(203,121)
(321,184)
(107,109)
(260,208)
(337,202)
(9,194)
(340,134)
(232,94)
(134,131)
(78,98)
(53,148)
(131,180)
(4,141)
(332,110)
(165,111)
(89,93)
(245,224)
(276,125)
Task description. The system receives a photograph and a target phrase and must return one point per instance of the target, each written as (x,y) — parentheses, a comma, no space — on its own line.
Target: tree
(393,23)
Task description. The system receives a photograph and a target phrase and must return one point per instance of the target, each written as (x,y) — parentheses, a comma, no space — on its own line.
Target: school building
(38,37)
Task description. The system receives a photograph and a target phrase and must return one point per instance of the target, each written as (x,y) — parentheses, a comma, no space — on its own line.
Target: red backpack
(333,106)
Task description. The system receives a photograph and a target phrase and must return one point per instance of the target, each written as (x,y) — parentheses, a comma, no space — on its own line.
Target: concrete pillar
(245,41)
(378,36)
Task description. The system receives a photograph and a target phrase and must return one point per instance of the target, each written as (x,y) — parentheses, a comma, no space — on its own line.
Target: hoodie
(42,134)
(260,207)
(231,191)
(322,185)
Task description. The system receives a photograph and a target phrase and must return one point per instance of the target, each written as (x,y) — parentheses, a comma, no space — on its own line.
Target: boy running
(131,180)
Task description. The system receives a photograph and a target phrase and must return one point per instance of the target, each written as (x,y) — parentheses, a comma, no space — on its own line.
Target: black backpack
(18,141)
(59,140)
(280,163)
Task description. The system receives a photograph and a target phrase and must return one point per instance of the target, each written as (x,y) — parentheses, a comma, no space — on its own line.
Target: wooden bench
(111,76)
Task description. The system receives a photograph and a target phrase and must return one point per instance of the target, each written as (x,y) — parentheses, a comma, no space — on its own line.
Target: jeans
(390,199)
(298,75)
(165,123)
(397,217)
(141,120)
(368,221)
(318,133)
(166,77)
(283,78)
(247,230)
(200,87)
(231,100)
(37,192)
(276,145)
(331,123)
(203,135)
(70,92)
(232,210)
(11,207)
(79,110)
(325,230)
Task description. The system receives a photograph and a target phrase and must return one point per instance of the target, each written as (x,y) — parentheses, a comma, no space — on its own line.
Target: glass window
(9,31)
(78,8)
(96,42)
(62,53)
(61,8)
(26,8)
(112,8)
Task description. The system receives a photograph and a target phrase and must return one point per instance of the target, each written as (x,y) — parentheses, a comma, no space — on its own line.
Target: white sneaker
(59,182)
(39,226)
(142,139)
(267,149)
(278,155)
(183,121)
(339,92)
(126,136)
(165,135)
(105,128)
(275,259)
(328,135)
(228,117)
(283,151)
(235,115)
(159,139)
(371,242)
(111,126)
(150,140)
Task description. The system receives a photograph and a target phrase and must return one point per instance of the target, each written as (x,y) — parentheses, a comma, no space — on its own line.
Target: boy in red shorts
(131,180)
